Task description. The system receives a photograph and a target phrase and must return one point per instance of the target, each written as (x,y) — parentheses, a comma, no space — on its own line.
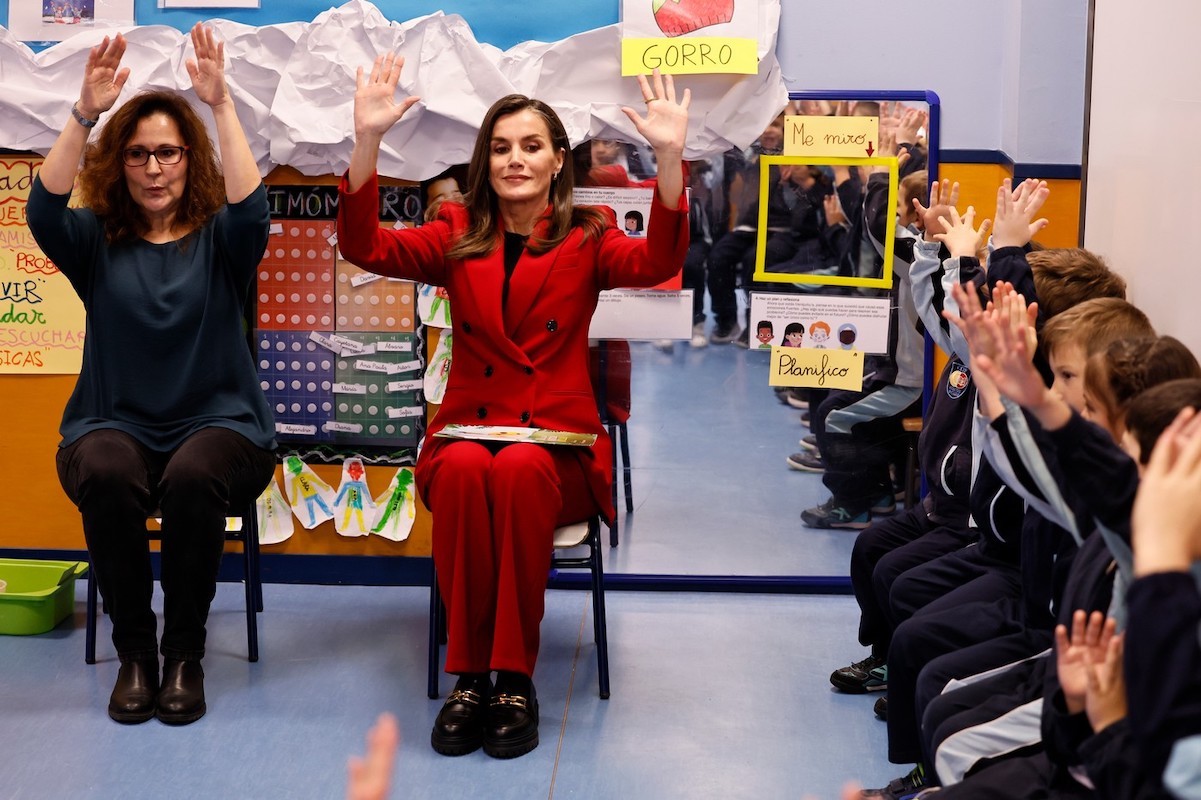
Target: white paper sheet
(294,86)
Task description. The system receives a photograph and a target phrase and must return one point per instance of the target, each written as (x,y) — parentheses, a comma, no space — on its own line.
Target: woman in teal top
(167,413)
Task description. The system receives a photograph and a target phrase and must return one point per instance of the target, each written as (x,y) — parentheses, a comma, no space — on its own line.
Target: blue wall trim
(414,571)
(1021,172)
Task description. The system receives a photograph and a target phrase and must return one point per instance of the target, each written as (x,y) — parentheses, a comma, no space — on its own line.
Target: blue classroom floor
(713,695)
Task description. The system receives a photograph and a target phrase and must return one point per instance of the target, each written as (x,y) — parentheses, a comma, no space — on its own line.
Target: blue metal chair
(568,537)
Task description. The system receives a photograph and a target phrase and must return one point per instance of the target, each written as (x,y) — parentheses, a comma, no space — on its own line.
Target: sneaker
(698,336)
(805,419)
(744,340)
(810,444)
(832,514)
(880,709)
(887,504)
(898,788)
(724,334)
(797,400)
(806,462)
(858,677)
(665,345)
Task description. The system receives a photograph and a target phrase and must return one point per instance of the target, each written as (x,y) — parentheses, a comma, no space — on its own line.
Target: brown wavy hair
(1128,367)
(481,238)
(102,180)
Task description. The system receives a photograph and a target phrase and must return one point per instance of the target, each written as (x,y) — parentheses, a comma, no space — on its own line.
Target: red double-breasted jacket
(525,365)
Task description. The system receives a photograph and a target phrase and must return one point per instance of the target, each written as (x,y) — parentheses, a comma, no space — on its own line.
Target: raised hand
(1073,655)
(666,122)
(375,106)
(943,199)
(1010,368)
(103,77)
(912,121)
(834,213)
(1166,520)
(207,70)
(1105,701)
(1014,224)
(370,776)
(960,234)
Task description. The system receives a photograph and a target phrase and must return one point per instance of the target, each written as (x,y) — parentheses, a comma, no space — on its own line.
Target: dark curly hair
(102,180)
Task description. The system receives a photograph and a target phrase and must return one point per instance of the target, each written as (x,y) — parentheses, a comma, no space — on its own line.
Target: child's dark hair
(764,323)
(1153,411)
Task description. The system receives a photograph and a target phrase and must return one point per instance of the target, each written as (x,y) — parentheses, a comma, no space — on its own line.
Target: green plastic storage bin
(38,594)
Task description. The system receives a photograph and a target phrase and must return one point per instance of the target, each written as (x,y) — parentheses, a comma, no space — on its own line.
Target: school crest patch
(959,378)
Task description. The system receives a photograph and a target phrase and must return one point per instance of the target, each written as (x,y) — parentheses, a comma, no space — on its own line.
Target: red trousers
(495,509)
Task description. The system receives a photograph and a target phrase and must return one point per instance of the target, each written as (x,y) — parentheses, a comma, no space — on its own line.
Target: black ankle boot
(133,695)
(181,698)
(512,727)
(459,728)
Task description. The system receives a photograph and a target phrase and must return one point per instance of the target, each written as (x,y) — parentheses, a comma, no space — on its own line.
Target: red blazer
(529,365)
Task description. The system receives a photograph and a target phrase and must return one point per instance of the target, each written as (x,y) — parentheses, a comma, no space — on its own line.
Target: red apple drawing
(677,17)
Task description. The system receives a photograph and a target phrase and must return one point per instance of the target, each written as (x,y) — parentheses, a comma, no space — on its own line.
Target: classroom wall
(843,46)
(1141,201)
(1010,75)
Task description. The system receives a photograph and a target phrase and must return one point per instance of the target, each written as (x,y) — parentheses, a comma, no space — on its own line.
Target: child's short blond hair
(1093,325)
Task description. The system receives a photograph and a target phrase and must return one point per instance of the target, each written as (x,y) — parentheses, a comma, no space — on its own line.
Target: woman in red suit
(523,268)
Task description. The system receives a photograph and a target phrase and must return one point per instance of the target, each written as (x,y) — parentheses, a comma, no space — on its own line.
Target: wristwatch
(80,118)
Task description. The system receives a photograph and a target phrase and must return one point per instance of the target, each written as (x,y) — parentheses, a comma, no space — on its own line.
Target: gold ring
(649,100)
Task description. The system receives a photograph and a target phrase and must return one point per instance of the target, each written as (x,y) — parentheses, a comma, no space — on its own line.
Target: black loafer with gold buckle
(512,728)
(459,728)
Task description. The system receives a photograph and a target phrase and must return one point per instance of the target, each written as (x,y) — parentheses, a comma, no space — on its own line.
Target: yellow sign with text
(816,368)
(839,137)
(41,317)
(694,55)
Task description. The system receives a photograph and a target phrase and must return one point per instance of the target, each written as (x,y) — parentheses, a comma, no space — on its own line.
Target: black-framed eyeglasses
(138,156)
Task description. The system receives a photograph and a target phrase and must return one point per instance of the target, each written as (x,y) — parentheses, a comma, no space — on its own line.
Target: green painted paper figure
(304,485)
(397,507)
(275,516)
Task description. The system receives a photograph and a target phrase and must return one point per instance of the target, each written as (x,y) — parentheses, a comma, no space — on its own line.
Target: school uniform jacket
(525,366)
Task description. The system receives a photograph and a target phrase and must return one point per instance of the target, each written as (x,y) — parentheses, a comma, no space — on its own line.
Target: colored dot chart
(337,349)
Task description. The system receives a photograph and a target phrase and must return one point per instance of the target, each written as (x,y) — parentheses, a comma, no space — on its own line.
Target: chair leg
(612,428)
(250,524)
(89,644)
(437,616)
(599,623)
(627,480)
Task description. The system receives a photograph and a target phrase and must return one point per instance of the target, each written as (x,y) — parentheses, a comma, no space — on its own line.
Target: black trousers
(117,482)
(935,646)
(883,551)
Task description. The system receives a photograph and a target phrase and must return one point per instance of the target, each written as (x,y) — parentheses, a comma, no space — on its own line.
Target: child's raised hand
(1166,520)
(943,199)
(1014,224)
(910,125)
(1011,368)
(1105,701)
(960,235)
(834,213)
(1073,655)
